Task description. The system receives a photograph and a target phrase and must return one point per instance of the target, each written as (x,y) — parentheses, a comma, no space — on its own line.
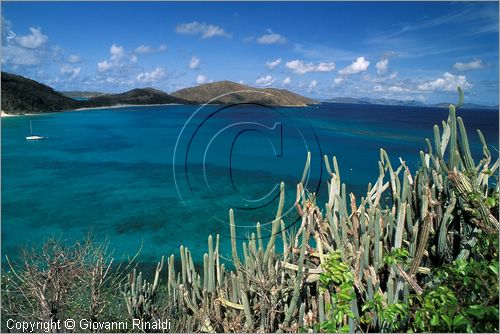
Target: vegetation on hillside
(417,253)
(21,95)
(228,92)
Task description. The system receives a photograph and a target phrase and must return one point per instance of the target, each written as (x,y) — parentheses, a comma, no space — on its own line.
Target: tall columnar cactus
(141,297)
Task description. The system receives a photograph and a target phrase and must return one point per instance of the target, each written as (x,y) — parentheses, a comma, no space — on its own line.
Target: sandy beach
(126,105)
(4,114)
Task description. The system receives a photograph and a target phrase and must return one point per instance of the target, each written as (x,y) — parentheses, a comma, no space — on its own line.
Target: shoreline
(4,114)
(125,106)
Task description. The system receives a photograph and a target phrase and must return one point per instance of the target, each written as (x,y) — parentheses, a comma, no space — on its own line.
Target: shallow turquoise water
(112,170)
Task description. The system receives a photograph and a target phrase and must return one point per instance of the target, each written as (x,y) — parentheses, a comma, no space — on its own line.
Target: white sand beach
(127,105)
(4,114)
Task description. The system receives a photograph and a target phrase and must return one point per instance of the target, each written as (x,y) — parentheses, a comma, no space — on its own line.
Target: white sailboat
(33,137)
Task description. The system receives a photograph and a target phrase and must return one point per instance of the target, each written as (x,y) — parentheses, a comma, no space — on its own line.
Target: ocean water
(153,178)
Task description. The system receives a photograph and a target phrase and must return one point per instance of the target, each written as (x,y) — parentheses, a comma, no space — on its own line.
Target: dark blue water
(159,177)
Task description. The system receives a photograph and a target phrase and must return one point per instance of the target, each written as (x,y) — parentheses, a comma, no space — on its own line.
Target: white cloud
(286,81)
(299,67)
(203,29)
(390,89)
(117,52)
(358,66)
(312,85)
(150,77)
(194,62)
(393,75)
(201,79)
(34,40)
(15,55)
(448,82)
(144,49)
(118,59)
(28,50)
(104,66)
(382,66)
(69,70)
(271,38)
(273,64)
(338,80)
(265,81)
(472,65)
(74,59)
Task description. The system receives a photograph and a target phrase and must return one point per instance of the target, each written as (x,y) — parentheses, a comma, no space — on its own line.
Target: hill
(228,92)
(21,95)
(138,96)
(406,103)
(466,106)
(76,94)
(382,101)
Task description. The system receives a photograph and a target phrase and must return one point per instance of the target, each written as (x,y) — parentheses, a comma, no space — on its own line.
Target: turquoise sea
(158,177)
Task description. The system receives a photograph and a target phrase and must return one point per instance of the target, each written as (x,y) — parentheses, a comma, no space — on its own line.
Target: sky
(398,50)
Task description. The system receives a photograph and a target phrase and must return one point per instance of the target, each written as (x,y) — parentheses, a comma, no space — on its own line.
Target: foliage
(338,278)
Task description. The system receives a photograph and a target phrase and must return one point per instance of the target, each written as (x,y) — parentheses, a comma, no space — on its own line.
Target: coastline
(116,106)
(4,114)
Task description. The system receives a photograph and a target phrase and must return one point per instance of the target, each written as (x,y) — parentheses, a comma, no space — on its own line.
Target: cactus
(425,215)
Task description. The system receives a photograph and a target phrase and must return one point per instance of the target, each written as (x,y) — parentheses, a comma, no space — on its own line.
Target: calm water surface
(163,176)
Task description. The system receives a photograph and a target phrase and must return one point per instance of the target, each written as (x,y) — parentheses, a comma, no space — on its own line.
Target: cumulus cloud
(28,50)
(117,52)
(34,40)
(194,62)
(382,66)
(299,67)
(273,64)
(271,38)
(286,81)
(472,65)
(265,81)
(393,75)
(74,59)
(145,49)
(151,77)
(312,85)
(69,71)
(15,55)
(390,89)
(448,83)
(201,79)
(338,80)
(358,66)
(118,59)
(104,66)
(202,29)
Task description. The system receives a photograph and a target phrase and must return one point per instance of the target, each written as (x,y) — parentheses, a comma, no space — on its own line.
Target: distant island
(406,103)
(21,95)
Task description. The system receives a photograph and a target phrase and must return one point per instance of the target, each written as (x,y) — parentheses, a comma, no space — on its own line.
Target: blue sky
(401,50)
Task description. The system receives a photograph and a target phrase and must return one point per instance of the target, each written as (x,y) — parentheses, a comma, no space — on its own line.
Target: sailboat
(33,137)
